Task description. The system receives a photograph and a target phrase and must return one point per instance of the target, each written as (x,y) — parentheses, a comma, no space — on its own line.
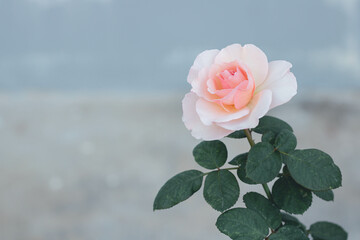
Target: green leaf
(328,231)
(285,141)
(285,171)
(242,224)
(288,232)
(290,196)
(238,159)
(269,137)
(241,172)
(268,123)
(237,134)
(264,207)
(313,169)
(221,190)
(178,189)
(327,195)
(263,163)
(210,154)
(293,221)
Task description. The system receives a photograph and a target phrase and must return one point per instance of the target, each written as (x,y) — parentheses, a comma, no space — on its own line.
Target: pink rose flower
(232,88)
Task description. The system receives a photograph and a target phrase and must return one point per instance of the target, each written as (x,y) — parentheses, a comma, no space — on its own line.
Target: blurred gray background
(90,108)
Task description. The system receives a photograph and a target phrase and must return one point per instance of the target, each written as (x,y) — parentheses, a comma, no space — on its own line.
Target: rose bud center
(231,84)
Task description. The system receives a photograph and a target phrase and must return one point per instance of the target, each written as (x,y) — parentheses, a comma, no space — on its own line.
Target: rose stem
(252,143)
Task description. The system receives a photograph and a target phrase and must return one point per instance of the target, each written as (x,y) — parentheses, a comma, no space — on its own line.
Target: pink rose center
(231,84)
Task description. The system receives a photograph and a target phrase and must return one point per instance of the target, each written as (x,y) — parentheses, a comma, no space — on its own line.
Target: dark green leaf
(287,233)
(240,160)
(221,190)
(290,196)
(210,154)
(326,195)
(293,221)
(328,231)
(285,141)
(268,123)
(313,169)
(237,134)
(178,189)
(264,207)
(285,171)
(263,163)
(269,137)
(242,224)
(241,172)
(237,160)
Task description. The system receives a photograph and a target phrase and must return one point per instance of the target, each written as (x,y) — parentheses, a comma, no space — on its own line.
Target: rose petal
(259,106)
(203,60)
(199,86)
(281,82)
(193,123)
(227,96)
(249,54)
(210,112)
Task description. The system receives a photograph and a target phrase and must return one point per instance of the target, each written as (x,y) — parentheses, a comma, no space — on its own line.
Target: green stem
(249,137)
(252,143)
(267,191)
(232,168)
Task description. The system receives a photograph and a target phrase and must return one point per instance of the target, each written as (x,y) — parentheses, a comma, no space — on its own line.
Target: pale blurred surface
(88,166)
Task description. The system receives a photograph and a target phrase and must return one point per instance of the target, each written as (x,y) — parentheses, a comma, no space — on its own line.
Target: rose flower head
(232,89)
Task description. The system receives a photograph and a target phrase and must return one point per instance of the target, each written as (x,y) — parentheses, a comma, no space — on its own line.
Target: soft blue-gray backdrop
(123,44)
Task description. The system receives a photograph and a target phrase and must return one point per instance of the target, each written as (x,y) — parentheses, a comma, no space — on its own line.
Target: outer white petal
(203,60)
(199,86)
(249,54)
(259,105)
(281,82)
(210,112)
(193,123)
(199,72)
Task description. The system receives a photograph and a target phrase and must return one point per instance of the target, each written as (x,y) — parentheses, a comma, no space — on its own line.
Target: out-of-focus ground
(88,166)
